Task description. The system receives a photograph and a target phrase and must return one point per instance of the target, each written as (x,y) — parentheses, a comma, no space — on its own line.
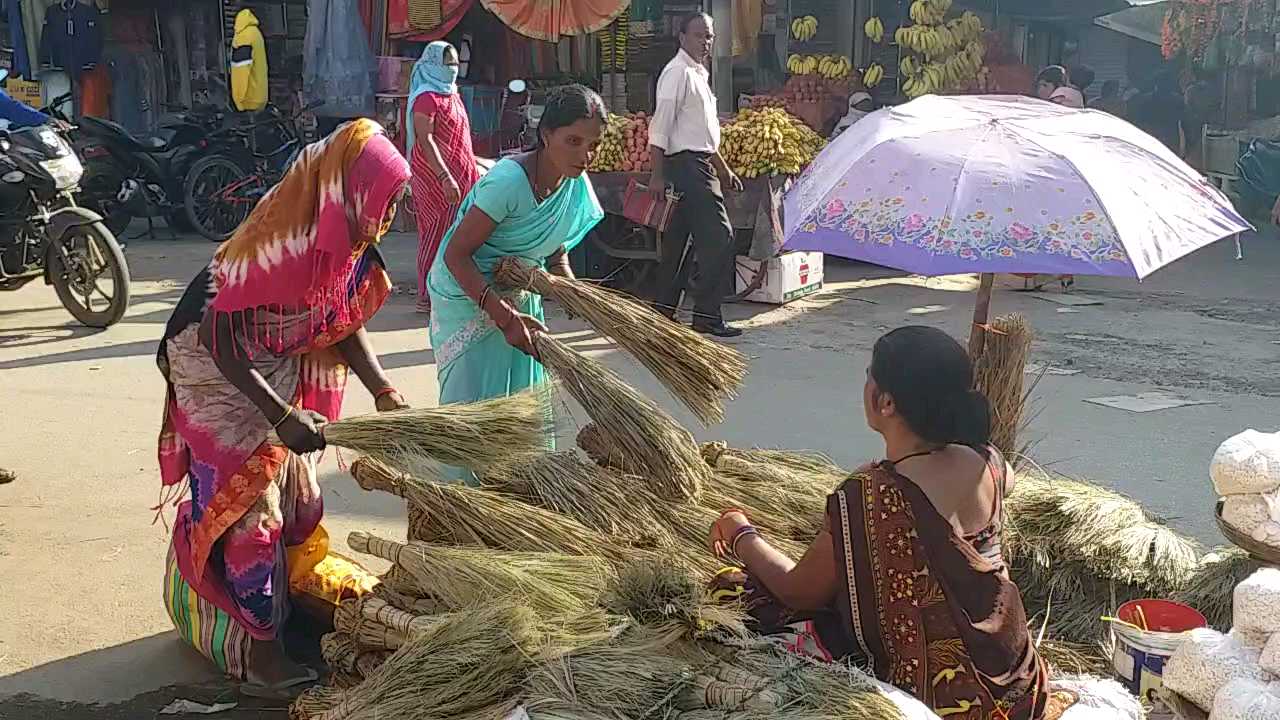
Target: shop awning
(1060,10)
(1143,22)
(550,19)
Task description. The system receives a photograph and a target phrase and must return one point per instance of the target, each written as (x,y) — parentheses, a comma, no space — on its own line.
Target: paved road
(83,623)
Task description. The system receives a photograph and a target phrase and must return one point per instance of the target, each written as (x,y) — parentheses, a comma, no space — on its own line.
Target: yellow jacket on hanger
(248,64)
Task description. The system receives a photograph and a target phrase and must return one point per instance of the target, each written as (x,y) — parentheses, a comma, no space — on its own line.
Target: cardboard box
(27,91)
(787,277)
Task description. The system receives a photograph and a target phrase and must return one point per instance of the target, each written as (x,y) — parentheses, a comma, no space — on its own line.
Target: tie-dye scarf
(302,274)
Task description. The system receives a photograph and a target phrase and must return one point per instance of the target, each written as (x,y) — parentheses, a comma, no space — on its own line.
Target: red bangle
(384,391)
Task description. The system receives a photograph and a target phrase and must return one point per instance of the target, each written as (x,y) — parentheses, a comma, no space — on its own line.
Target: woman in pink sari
(256,357)
(439,142)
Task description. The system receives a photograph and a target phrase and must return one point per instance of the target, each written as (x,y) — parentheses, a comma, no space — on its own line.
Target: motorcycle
(44,234)
(129,177)
(519,123)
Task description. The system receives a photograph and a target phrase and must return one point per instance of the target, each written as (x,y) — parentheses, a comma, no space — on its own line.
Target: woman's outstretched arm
(809,584)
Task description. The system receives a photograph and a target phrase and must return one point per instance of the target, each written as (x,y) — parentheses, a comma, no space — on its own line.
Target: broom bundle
(592,441)
(476,435)
(699,372)
(722,457)
(639,675)
(390,588)
(367,663)
(315,701)
(1213,583)
(465,576)
(339,650)
(810,689)
(661,592)
(566,483)
(999,374)
(464,515)
(646,435)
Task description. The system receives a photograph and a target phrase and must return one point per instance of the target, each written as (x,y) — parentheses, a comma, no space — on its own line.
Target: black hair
(1082,76)
(1055,75)
(566,105)
(687,20)
(1110,88)
(930,378)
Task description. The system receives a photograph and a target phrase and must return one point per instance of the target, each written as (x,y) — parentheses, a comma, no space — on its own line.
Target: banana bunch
(802,64)
(874,29)
(804,28)
(834,67)
(610,151)
(873,76)
(768,141)
(928,12)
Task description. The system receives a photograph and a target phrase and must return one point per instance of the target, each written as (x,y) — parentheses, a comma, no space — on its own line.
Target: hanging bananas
(940,55)
(831,67)
(874,29)
(873,76)
(804,28)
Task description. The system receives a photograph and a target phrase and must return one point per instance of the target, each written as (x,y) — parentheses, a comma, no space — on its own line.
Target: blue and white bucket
(1140,655)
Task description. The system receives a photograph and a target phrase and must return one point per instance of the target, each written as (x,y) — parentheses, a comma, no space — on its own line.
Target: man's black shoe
(720,329)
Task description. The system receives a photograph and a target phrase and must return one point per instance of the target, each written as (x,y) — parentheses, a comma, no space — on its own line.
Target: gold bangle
(287,414)
(484,296)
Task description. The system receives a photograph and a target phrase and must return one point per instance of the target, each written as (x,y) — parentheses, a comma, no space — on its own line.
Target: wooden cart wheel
(750,272)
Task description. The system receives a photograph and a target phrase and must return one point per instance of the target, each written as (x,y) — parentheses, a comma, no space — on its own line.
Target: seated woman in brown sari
(907,580)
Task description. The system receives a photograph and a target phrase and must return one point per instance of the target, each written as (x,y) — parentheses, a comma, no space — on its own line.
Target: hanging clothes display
(72,36)
(549,19)
(401,27)
(248,64)
(425,15)
(95,92)
(339,66)
(748,19)
(17,40)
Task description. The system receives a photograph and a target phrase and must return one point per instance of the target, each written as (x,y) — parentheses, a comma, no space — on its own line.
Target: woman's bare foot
(272,673)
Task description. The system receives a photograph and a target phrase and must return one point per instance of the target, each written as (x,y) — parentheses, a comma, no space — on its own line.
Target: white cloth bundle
(1247,463)
(1246,699)
(1205,662)
(1100,699)
(1255,605)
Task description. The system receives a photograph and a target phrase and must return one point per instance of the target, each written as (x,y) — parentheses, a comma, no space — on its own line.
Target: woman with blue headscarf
(439,145)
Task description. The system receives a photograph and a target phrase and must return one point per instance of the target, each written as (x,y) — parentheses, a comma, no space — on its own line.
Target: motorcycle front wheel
(81,264)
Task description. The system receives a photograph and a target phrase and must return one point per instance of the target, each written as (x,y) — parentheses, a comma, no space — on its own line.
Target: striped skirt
(202,625)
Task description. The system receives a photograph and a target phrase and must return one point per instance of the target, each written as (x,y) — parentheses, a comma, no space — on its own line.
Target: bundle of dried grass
(661,592)
(476,435)
(1213,583)
(592,441)
(999,374)
(1068,658)
(349,619)
(646,435)
(462,515)
(720,456)
(699,372)
(339,650)
(810,689)
(379,611)
(463,663)
(1077,551)
(315,701)
(639,675)
(566,483)
(390,590)
(550,583)
(367,663)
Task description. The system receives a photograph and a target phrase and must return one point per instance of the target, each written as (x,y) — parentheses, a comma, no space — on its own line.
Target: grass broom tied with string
(651,441)
(315,701)
(999,375)
(474,435)
(464,576)
(462,515)
(592,441)
(699,372)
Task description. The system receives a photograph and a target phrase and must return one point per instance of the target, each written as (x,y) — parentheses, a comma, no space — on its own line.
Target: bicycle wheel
(214,198)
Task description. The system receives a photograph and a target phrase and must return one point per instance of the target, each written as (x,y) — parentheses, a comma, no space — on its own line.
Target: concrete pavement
(83,621)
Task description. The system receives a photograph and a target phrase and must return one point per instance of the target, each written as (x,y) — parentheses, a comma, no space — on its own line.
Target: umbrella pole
(981,312)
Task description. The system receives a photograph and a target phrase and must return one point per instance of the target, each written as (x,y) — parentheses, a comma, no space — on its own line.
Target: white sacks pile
(1246,474)
(1234,676)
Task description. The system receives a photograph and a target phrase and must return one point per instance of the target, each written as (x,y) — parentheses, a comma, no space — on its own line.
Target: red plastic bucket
(1140,655)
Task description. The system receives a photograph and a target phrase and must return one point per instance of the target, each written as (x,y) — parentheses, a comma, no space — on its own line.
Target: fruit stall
(765,146)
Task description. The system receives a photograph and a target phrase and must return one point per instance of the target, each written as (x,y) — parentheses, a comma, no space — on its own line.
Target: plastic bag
(1270,660)
(1255,605)
(1247,463)
(1246,699)
(1205,662)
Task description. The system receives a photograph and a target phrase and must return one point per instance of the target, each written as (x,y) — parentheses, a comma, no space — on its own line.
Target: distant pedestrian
(1081,77)
(1052,84)
(1160,113)
(684,139)
(1111,100)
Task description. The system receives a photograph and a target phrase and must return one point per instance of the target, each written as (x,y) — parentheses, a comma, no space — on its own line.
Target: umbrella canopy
(976,184)
(549,19)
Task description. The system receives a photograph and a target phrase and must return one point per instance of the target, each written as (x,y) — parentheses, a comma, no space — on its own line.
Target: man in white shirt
(684,142)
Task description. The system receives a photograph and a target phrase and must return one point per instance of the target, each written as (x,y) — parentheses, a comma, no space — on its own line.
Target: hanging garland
(1189,27)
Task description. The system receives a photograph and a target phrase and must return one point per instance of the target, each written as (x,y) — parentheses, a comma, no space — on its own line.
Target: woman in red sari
(256,357)
(907,580)
(439,142)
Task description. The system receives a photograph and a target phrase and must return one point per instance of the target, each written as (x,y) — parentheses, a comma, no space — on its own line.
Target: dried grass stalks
(1077,551)
(476,435)
(999,374)
(459,577)
(1213,583)
(699,372)
(461,515)
(661,592)
(649,439)
(315,701)
(566,483)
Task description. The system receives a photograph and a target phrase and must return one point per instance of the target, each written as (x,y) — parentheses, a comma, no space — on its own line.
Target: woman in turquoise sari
(536,207)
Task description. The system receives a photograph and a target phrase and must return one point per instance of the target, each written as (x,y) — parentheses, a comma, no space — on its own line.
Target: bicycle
(223,188)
